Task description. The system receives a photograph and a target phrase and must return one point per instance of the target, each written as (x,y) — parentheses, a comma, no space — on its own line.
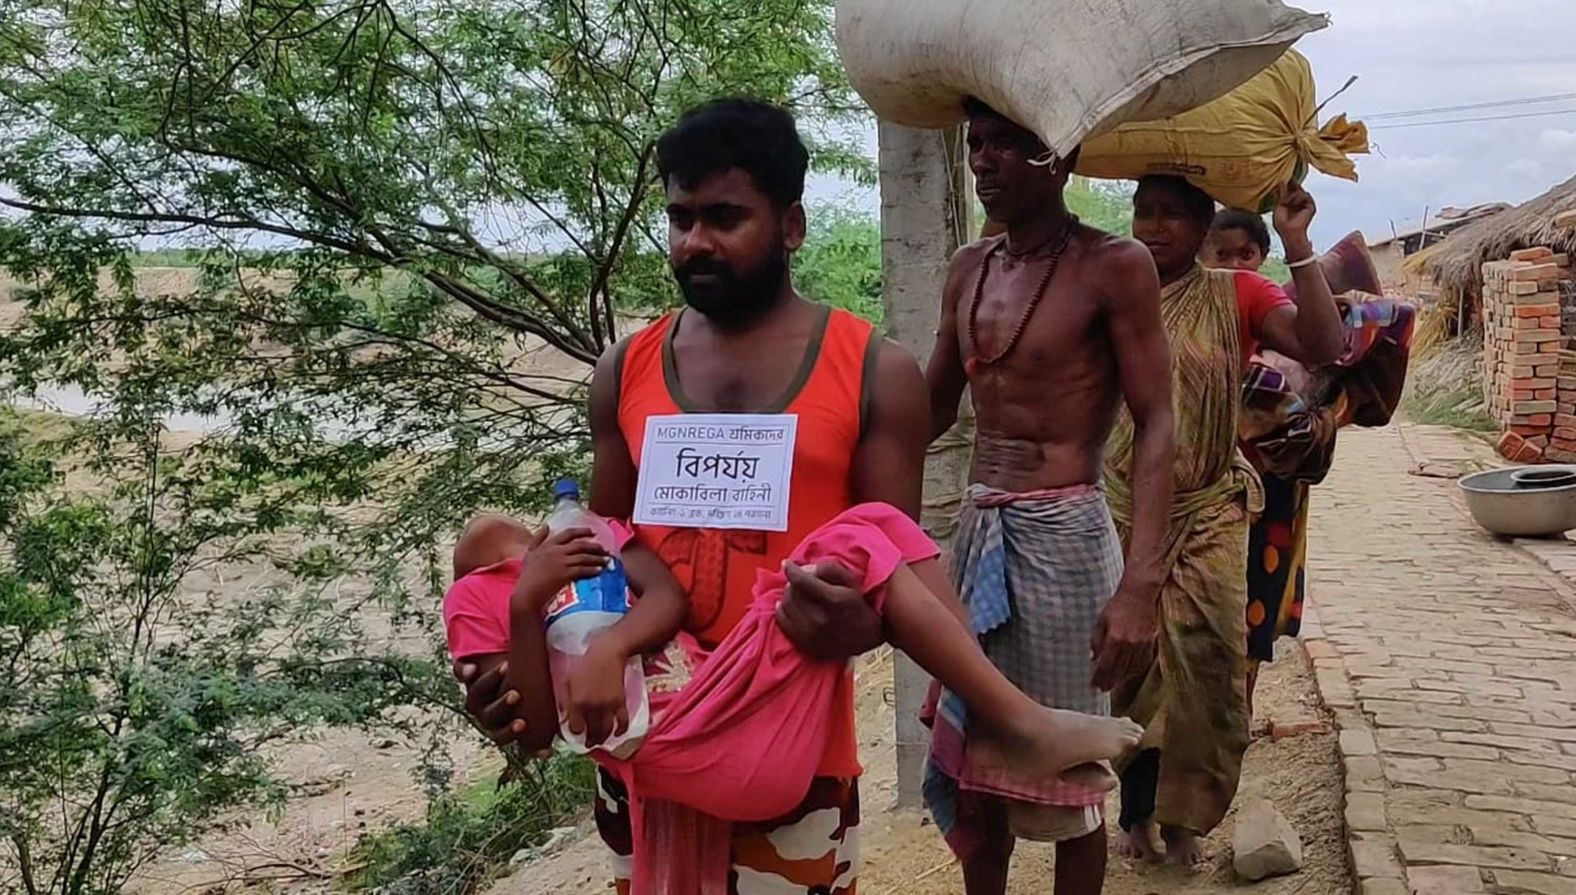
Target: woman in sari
(1290,416)
(1193,700)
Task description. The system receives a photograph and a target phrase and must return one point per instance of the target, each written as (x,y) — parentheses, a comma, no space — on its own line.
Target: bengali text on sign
(717,471)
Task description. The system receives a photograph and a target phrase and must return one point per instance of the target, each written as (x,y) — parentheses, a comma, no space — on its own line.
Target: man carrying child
(769,585)
(748,343)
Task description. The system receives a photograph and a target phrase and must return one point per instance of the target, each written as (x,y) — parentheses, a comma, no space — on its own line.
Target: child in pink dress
(741,739)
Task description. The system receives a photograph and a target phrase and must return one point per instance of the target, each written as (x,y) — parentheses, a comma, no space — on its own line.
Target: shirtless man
(1052,325)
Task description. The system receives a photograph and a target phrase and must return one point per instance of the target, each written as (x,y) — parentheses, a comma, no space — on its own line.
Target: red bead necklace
(980,358)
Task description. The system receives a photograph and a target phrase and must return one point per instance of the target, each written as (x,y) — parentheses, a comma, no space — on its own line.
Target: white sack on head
(1065,69)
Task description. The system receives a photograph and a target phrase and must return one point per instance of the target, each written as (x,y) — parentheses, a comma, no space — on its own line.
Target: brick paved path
(1460,660)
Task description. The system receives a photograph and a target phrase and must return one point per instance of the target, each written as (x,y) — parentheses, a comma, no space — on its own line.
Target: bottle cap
(566,489)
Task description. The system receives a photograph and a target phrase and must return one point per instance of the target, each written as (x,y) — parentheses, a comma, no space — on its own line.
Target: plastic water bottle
(580,612)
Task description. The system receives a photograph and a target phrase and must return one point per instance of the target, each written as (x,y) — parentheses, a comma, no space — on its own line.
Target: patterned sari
(1193,701)
(1290,417)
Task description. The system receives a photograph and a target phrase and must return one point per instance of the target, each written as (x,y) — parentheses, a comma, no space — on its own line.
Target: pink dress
(741,741)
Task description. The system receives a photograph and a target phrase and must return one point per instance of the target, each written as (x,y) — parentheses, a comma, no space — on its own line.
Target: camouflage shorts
(813,849)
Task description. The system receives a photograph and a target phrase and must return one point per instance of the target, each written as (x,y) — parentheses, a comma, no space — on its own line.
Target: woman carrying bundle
(1193,700)
(1290,416)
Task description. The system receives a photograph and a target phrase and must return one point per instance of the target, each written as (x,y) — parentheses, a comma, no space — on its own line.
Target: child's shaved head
(489,539)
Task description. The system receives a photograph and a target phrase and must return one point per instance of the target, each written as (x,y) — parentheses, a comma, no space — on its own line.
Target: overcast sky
(1422,54)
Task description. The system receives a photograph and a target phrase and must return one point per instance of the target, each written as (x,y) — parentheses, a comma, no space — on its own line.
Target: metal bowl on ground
(1544,477)
(1523,502)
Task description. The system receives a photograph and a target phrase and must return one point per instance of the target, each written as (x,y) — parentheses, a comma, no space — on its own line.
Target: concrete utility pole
(925,218)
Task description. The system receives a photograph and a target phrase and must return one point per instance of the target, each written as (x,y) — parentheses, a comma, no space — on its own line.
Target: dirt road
(903,853)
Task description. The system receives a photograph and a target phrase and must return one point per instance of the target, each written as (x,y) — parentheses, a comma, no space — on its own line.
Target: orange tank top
(718,568)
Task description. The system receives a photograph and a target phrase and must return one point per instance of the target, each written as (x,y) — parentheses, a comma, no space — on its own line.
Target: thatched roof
(1444,222)
(1457,263)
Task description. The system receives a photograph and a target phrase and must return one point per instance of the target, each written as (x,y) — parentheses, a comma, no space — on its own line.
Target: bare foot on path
(1183,848)
(1139,843)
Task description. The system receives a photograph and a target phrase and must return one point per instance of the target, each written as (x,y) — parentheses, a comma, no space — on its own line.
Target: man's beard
(733,298)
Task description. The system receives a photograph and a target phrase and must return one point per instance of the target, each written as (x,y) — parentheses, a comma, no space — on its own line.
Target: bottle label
(566,599)
(607,592)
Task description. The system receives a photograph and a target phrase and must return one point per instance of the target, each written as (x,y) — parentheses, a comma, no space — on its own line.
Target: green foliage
(840,263)
(168,258)
(1102,204)
(414,226)
(134,701)
(1275,268)
(467,837)
(422,197)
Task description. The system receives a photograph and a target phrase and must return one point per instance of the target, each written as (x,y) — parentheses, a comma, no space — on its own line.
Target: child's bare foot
(1055,744)
(985,750)
(1052,743)
(1139,843)
(1183,847)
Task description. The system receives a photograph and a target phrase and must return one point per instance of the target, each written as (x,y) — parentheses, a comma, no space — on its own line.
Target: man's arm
(529,678)
(823,613)
(658,614)
(945,375)
(613,471)
(1125,634)
(1310,332)
(533,687)
(889,464)
(492,703)
(488,699)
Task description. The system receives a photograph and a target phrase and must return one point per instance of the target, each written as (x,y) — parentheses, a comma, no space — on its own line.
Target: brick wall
(1528,373)
(1568,308)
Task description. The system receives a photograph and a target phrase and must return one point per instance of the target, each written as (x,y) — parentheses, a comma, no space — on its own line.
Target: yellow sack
(1240,148)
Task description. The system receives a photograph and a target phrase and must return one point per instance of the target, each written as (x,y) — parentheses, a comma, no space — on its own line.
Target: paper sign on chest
(725,471)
